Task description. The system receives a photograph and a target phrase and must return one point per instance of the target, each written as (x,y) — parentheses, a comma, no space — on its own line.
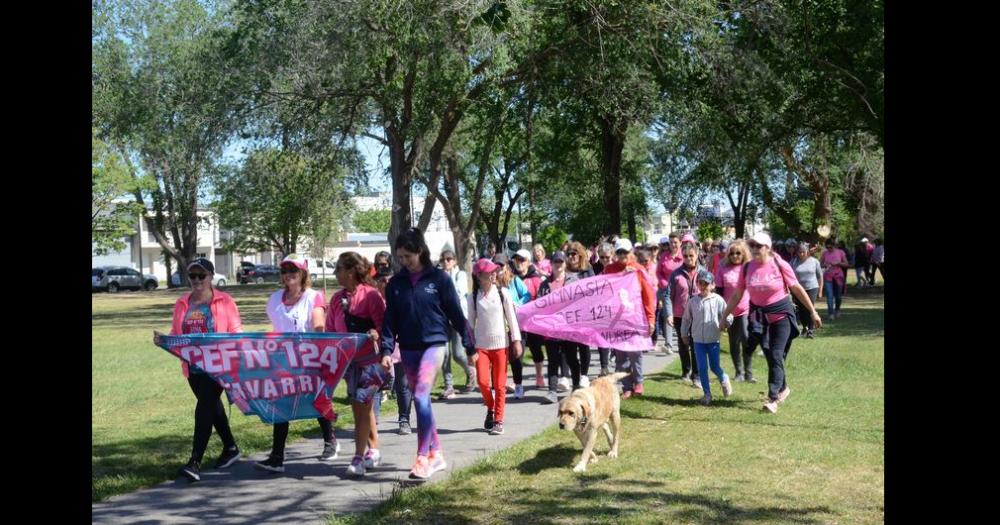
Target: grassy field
(142,408)
(820,459)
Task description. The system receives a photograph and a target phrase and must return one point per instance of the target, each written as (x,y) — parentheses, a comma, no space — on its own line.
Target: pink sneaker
(540,381)
(421,469)
(626,394)
(771,406)
(437,462)
(783,395)
(638,389)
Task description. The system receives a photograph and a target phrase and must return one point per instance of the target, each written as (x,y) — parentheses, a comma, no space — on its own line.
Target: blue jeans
(629,362)
(833,294)
(661,319)
(709,352)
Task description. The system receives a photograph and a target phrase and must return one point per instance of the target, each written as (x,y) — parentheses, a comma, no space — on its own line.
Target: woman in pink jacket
(206,310)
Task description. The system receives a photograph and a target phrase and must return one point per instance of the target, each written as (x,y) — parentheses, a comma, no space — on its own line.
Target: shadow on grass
(553,457)
(590,501)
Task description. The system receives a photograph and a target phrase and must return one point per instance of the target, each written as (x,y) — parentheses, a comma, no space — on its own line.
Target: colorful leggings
(421,367)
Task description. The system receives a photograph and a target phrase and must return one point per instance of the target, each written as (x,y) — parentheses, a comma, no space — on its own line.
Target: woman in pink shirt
(772,321)
(542,265)
(206,310)
(833,262)
(360,308)
(727,276)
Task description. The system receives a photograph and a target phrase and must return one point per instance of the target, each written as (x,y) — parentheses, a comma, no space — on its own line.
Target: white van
(316,269)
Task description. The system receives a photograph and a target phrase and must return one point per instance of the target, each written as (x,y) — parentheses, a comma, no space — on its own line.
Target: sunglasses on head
(197,276)
(286,270)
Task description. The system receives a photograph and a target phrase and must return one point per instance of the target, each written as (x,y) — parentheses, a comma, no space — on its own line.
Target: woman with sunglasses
(727,276)
(578,267)
(206,310)
(422,306)
(449,264)
(296,307)
(681,288)
(770,281)
(556,347)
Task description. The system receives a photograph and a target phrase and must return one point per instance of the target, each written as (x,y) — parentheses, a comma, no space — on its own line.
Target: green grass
(142,410)
(820,459)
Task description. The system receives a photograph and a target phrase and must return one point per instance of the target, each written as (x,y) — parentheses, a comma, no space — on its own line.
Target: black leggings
(557,351)
(584,351)
(535,346)
(280,435)
(516,368)
(780,342)
(603,354)
(689,365)
(208,412)
(803,313)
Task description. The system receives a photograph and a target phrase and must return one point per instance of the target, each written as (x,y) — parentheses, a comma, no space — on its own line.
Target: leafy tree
(112,216)
(371,220)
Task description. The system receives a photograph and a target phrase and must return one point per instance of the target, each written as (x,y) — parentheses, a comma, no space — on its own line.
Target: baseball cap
(762,239)
(724,245)
(484,265)
(524,254)
(296,260)
(203,263)
(706,276)
(688,238)
(501,258)
(664,240)
(558,255)
(864,239)
(623,244)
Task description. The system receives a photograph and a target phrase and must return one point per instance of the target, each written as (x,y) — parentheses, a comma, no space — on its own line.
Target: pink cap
(485,265)
(688,238)
(299,262)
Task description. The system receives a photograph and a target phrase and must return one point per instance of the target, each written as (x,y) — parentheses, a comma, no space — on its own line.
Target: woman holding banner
(625,261)
(360,308)
(422,303)
(296,307)
(206,310)
(578,267)
(558,348)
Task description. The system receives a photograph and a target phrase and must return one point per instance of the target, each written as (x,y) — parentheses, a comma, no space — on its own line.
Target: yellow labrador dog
(588,410)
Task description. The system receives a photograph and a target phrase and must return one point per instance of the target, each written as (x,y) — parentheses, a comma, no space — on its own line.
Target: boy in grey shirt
(701,321)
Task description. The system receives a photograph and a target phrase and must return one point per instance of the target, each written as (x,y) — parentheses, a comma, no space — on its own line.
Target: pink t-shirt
(544,266)
(768,283)
(827,260)
(666,266)
(728,276)
(364,302)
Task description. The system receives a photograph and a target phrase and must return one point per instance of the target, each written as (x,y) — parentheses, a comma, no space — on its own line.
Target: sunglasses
(287,270)
(605,258)
(754,246)
(197,276)
(738,254)
(572,254)
(558,261)
(449,258)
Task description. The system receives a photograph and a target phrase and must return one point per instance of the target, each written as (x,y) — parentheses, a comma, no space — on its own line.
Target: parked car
(316,269)
(261,273)
(245,267)
(217,281)
(114,278)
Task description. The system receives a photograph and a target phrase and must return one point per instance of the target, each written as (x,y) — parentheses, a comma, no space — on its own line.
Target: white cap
(524,254)
(623,244)
(664,240)
(763,239)
(864,239)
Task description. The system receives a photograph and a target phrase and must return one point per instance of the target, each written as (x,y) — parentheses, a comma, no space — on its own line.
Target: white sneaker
(357,466)
(518,391)
(563,385)
(373,458)
(584,381)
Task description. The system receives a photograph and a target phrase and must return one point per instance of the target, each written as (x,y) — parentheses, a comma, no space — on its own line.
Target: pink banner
(604,311)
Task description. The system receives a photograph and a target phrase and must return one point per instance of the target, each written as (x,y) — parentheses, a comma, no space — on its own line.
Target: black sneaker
(330,450)
(604,371)
(228,457)
(489,420)
(497,429)
(470,388)
(404,428)
(271,464)
(191,471)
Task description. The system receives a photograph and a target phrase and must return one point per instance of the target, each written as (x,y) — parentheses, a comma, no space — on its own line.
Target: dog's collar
(582,422)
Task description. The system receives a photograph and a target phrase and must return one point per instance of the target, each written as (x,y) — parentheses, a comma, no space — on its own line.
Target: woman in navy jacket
(421,302)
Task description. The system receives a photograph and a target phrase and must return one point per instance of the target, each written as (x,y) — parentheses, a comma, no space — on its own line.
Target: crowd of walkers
(761,294)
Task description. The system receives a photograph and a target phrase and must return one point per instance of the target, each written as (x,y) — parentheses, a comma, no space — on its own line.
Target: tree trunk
(400,172)
(612,143)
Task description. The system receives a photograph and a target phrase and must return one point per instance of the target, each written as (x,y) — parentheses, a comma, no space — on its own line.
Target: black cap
(501,258)
(203,263)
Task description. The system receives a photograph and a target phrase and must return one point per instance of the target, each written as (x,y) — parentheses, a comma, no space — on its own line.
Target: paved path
(310,491)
